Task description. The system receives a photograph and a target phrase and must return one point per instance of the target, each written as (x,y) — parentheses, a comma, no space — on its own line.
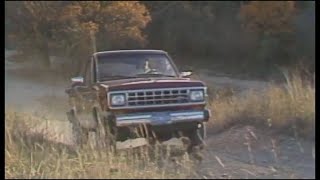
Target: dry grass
(279,107)
(32,156)
(52,102)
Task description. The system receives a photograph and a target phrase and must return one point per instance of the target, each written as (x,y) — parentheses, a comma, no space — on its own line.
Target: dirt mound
(245,151)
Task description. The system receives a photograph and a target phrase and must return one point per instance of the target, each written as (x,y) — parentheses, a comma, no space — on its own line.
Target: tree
(114,23)
(43,27)
(79,22)
(124,21)
(34,23)
(268,17)
(180,26)
(272,21)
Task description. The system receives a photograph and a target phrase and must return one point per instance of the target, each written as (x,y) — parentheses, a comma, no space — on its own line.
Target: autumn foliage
(268,17)
(254,34)
(127,20)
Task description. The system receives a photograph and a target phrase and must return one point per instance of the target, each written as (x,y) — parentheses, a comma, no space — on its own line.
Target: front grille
(157,97)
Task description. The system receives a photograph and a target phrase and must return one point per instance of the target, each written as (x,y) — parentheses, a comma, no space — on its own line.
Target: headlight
(118,100)
(196,95)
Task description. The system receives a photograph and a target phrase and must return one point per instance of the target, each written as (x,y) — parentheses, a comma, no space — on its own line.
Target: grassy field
(278,108)
(291,106)
(31,156)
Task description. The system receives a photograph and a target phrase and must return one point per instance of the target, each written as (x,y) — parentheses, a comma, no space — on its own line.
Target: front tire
(197,138)
(80,135)
(105,135)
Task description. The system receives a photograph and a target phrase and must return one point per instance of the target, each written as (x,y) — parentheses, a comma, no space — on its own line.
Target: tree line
(247,35)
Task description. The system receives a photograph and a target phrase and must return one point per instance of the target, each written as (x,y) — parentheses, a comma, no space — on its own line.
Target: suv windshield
(121,66)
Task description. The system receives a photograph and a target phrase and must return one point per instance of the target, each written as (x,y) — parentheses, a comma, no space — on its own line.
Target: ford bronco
(129,93)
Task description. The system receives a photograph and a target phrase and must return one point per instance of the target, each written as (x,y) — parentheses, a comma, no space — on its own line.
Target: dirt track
(240,152)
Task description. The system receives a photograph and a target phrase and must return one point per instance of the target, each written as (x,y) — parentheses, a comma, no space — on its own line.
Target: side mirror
(186,74)
(77,79)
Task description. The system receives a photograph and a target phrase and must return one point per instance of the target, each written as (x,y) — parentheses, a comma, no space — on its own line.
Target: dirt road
(240,152)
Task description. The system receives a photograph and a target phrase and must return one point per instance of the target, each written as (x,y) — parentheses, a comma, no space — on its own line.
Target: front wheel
(197,137)
(105,135)
(79,134)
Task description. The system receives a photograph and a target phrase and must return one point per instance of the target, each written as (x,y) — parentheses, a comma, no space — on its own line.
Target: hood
(150,83)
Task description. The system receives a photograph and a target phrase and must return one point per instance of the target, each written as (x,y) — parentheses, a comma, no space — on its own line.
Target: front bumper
(162,118)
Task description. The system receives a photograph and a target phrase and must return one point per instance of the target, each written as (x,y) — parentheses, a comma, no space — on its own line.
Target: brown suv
(129,93)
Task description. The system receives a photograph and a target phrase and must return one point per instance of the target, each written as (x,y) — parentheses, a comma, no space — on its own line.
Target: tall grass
(282,107)
(32,156)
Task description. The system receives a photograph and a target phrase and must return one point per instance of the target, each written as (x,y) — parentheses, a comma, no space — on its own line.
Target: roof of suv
(138,51)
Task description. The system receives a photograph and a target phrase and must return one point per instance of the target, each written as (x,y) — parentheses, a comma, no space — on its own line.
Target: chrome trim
(187,113)
(162,105)
(132,122)
(187,116)
(157,89)
(133,117)
(182,116)
(131,50)
(126,106)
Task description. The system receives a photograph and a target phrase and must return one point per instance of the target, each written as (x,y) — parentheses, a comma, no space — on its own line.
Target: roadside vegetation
(288,108)
(28,154)
(284,109)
